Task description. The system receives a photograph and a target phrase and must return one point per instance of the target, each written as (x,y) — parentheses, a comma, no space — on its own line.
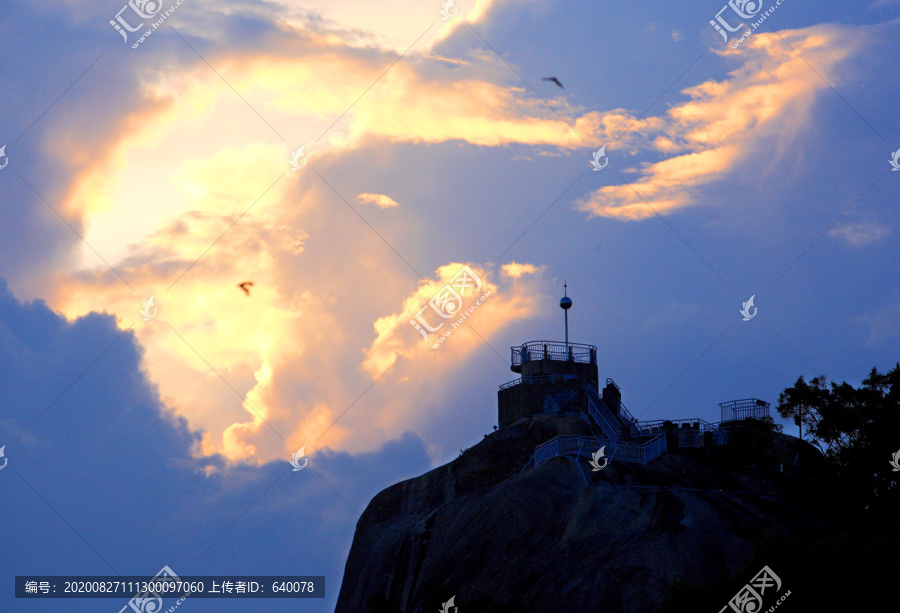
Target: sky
(354,160)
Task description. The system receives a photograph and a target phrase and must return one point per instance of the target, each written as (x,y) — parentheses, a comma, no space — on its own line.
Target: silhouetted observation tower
(557,377)
(561,377)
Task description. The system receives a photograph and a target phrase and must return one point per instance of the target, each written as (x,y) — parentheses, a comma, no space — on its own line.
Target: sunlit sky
(430,144)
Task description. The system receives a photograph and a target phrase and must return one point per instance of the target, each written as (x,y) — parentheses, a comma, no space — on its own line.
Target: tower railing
(539,380)
(742,409)
(551,350)
(690,432)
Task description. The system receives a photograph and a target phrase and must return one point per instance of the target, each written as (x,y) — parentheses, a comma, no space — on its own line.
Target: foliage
(462,452)
(858,430)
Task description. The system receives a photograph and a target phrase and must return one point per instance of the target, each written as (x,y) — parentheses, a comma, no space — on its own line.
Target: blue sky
(163,171)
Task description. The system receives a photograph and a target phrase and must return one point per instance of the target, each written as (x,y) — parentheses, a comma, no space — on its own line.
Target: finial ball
(565,303)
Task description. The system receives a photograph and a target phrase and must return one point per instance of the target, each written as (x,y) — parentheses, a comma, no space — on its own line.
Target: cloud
(725,124)
(104,457)
(883,324)
(190,195)
(380,200)
(193,187)
(879,4)
(516,270)
(446,310)
(860,234)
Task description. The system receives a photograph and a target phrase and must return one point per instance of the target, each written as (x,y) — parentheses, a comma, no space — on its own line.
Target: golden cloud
(725,123)
(380,200)
(177,177)
(516,270)
(448,317)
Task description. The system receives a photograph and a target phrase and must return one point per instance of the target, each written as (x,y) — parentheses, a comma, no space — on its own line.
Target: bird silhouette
(553,80)
(245,286)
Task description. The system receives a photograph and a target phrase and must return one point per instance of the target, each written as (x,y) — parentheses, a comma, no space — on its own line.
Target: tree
(858,430)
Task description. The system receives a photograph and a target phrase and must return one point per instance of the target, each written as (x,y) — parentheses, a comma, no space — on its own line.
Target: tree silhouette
(858,430)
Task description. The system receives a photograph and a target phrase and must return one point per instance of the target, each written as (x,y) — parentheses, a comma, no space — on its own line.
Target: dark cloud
(104,482)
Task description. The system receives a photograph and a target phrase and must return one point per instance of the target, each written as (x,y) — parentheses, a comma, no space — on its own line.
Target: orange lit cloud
(516,270)
(195,190)
(199,190)
(767,100)
(380,200)
(446,319)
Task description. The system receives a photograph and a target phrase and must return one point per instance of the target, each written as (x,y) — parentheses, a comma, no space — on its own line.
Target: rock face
(500,536)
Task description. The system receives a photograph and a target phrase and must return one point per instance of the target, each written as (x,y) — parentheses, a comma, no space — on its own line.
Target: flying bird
(553,80)
(246,285)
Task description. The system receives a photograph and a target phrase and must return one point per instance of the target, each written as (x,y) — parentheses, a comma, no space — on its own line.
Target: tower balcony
(553,380)
(537,351)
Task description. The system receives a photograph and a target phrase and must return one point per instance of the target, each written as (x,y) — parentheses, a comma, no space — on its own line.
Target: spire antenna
(565,304)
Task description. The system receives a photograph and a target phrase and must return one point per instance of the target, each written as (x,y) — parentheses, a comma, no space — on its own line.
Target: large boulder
(500,534)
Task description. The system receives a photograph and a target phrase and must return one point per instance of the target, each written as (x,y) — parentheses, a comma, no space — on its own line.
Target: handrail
(512,383)
(742,409)
(585,446)
(687,437)
(625,414)
(601,413)
(651,427)
(551,350)
(703,424)
(538,379)
(694,438)
(654,447)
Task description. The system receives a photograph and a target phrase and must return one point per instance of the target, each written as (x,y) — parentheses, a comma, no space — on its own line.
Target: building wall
(557,396)
(585,372)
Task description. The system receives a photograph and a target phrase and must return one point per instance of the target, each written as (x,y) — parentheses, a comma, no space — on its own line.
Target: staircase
(611,425)
(690,433)
(586,446)
(600,413)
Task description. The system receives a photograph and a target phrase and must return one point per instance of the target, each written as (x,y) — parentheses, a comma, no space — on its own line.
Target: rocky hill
(502,536)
